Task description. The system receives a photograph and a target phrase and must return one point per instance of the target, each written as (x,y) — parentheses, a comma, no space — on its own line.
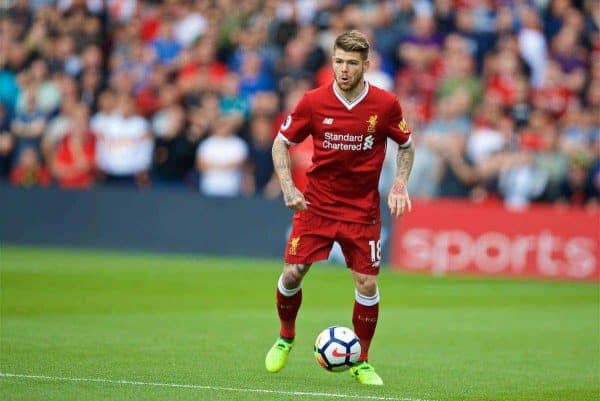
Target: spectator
(203,62)
(520,181)
(532,45)
(553,96)
(550,159)
(165,46)
(451,116)
(571,56)
(265,103)
(46,87)
(477,35)
(106,109)
(459,71)
(594,181)
(376,75)
(577,187)
(121,10)
(578,131)
(91,85)
(147,98)
(9,88)
(421,69)
(263,180)
(254,77)
(29,170)
(554,16)
(124,146)
(458,175)
(487,137)
(504,73)
(191,25)
(7,143)
(296,64)
(231,100)
(73,160)
(29,123)
(521,107)
(174,148)
(57,128)
(221,159)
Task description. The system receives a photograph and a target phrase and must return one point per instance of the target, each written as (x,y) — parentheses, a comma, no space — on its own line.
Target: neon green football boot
(278,355)
(364,373)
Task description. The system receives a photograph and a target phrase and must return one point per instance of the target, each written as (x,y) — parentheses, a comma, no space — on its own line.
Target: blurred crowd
(503,96)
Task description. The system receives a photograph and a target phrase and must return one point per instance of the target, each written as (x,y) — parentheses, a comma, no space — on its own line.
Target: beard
(349,85)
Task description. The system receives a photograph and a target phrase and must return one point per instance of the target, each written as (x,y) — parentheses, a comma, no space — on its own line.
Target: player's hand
(398,199)
(294,199)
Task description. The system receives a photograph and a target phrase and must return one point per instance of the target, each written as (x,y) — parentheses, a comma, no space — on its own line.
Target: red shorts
(312,237)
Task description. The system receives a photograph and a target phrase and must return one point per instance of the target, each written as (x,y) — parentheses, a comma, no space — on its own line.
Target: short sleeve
(296,126)
(398,128)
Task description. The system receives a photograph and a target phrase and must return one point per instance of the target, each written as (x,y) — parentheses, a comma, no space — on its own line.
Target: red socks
(364,315)
(364,319)
(288,304)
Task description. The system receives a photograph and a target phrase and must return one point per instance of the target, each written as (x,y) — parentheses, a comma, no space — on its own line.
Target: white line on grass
(204,387)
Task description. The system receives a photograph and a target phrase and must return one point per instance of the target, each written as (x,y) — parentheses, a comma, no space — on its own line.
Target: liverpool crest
(294,242)
(372,121)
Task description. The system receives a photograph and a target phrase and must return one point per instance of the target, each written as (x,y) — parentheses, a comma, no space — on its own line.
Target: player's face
(348,69)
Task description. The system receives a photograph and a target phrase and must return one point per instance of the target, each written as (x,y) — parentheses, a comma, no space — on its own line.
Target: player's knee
(293,275)
(366,285)
(290,279)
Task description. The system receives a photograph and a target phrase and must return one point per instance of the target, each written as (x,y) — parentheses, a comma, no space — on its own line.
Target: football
(337,348)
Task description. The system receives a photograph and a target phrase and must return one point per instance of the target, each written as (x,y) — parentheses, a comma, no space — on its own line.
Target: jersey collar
(350,104)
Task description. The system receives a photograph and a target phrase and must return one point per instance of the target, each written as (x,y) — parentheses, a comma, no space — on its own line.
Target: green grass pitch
(83,325)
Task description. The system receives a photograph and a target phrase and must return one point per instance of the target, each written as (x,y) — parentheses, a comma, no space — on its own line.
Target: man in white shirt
(124,147)
(221,159)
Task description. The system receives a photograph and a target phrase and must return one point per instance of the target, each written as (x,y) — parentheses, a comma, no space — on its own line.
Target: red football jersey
(349,147)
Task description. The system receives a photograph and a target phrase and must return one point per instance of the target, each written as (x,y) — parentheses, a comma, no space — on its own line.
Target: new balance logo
(328,121)
(369,140)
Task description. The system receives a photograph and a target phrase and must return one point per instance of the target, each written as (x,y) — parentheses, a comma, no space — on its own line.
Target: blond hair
(353,41)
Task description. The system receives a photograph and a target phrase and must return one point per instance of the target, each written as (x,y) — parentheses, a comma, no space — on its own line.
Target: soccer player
(349,121)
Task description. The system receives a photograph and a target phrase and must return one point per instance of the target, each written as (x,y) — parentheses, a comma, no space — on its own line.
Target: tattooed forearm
(404,163)
(281,163)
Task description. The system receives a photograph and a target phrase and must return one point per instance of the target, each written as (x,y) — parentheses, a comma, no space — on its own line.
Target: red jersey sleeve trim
(284,139)
(406,144)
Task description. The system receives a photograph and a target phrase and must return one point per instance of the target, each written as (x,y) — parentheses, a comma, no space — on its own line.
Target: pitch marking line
(203,387)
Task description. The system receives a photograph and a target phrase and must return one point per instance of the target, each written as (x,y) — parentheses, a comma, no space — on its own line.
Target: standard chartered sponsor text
(350,142)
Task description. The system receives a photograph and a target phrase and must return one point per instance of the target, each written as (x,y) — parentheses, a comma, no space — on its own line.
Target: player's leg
(289,299)
(364,318)
(362,249)
(310,240)
(366,310)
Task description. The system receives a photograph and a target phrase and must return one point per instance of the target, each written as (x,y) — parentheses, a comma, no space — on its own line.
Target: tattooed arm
(292,197)
(398,199)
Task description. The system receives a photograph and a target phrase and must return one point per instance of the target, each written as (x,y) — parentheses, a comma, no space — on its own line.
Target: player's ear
(367,64)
